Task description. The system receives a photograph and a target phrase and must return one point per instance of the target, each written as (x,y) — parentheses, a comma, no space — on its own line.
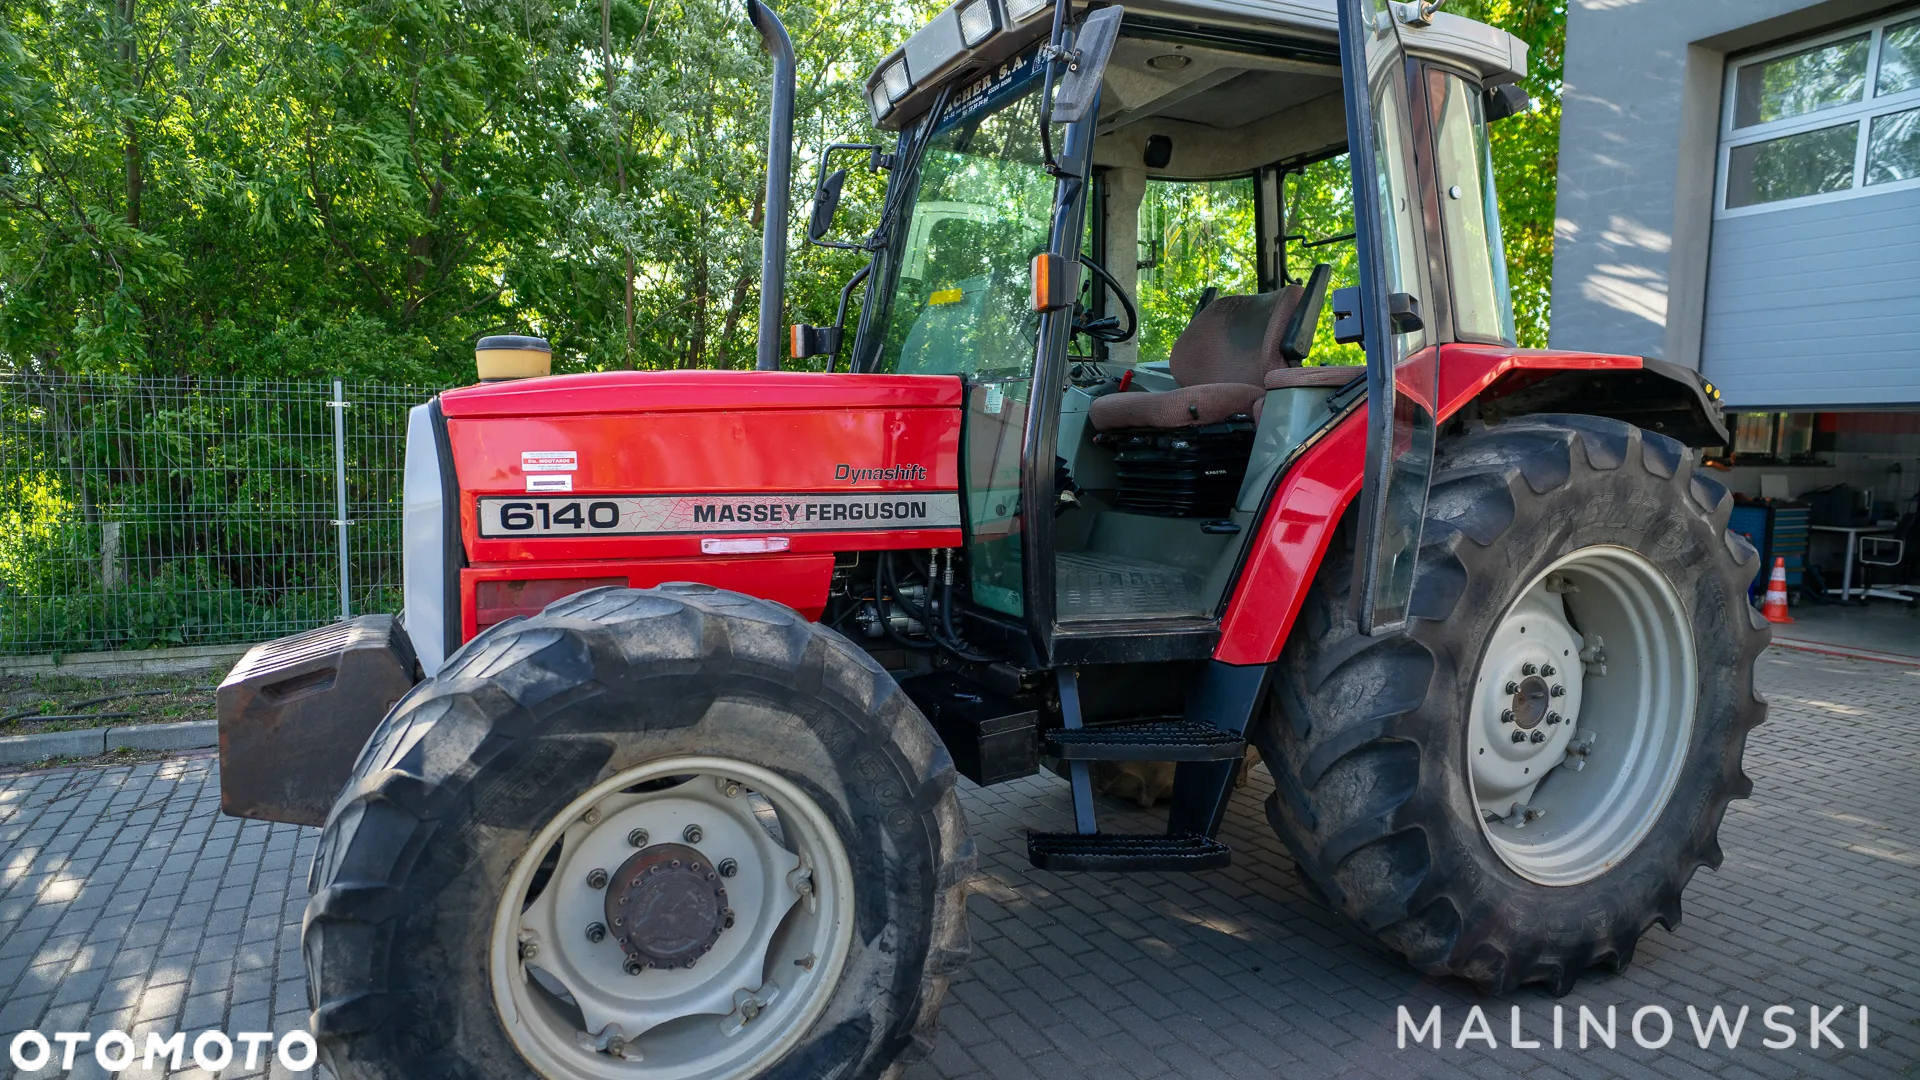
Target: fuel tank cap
(512,356)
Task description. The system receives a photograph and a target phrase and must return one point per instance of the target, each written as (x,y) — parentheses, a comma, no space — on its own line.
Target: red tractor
(655,775)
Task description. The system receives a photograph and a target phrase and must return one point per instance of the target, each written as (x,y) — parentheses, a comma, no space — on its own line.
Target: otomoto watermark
(117,1051)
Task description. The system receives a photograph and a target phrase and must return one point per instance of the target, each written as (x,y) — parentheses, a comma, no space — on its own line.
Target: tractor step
(1124,852)
(1159,740)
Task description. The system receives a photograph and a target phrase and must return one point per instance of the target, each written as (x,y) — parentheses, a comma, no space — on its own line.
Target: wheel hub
(1572,749)
(701,959)
(1530,703)
(667,906)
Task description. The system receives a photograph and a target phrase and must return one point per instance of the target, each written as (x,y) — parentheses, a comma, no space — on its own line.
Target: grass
(154,699)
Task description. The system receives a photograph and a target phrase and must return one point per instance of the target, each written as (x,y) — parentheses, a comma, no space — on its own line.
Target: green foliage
(1201,234)
(362,187)
(1526,155)
(158,511)
(1318,201)
(179,604)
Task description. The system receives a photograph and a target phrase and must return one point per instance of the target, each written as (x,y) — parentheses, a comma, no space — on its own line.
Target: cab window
(960,303)
(1469,214)
(1194,235)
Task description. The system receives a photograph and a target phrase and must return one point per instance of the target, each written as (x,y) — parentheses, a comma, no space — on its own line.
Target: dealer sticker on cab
(666,515)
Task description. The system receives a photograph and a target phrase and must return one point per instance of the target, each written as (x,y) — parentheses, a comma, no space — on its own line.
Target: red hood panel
(698,391)
(700,433)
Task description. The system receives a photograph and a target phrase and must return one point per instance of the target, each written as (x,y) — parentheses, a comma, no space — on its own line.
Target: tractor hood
(623,465)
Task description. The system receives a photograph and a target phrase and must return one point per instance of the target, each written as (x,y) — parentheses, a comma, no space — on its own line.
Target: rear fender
(1300,521)
(1658,396)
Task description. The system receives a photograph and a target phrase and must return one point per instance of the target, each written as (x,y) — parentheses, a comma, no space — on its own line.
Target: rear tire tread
(1331,739)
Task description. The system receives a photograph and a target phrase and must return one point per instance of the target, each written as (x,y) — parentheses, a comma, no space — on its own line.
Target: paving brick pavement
(127,902)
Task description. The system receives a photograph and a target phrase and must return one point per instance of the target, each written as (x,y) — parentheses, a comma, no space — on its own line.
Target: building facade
(1739,192)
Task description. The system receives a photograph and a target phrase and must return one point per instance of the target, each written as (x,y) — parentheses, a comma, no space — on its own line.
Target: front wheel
(665,834)
(1519,784)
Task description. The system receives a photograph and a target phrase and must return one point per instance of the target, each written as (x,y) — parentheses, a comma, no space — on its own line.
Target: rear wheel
(1521,783)
(665,834)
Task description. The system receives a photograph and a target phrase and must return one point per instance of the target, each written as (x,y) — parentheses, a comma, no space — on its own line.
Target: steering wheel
(1107,328)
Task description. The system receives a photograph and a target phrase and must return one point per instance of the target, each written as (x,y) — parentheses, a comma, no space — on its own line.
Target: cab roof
(1305,33)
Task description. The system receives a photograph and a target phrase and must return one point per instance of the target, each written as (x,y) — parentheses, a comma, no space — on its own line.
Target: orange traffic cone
(1775,607)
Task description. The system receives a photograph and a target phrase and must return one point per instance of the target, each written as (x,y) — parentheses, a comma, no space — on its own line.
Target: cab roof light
(894,78)
(1019,11)
(976,22)
(888,84)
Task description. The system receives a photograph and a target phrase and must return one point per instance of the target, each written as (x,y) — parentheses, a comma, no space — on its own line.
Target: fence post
(339,407)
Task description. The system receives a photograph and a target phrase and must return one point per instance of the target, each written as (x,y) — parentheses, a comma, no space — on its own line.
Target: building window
(1833,118)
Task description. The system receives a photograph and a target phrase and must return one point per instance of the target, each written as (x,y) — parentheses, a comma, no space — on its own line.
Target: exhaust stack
(773,242)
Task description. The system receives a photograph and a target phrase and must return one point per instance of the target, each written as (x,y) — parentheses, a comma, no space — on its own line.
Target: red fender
(1293,537)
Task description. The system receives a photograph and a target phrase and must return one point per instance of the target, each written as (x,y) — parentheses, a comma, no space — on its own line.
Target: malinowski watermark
(117,1051)
(1651,1027)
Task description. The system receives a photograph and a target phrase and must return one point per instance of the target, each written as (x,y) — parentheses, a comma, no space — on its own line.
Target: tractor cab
(1126,422)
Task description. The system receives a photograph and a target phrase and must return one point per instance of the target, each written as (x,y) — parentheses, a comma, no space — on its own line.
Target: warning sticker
(532,461)
(654,515)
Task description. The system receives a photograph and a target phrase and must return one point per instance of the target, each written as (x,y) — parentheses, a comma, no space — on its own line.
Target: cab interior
(1169,440)
(1218,223)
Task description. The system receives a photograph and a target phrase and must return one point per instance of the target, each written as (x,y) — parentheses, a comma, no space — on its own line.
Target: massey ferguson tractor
(655,775)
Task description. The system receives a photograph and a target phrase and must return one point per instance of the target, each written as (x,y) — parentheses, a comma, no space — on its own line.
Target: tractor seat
(1184,452)
(1223,358)
(1220,361)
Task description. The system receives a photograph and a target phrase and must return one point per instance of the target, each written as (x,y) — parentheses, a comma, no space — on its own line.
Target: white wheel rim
(739,1006)
(1581,716)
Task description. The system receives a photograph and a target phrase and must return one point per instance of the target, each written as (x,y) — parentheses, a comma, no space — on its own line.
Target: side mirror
(1505,100)
(1092,48)
(826,200)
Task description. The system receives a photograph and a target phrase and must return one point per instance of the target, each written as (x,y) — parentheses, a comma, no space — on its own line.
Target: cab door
(1387,312)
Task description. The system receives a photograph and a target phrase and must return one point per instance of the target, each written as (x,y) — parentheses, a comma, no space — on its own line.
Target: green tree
(1526,155)
(298,189)
(364,186)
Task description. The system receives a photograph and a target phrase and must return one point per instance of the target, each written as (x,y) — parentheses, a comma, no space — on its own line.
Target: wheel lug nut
(1512,687)
(726,919)
(1558,691)
(597,933)
(596,879)
(692,835)
(1506,716)
(638,838)
(1528,669)
(1553,718)
(1519,736)
(1547,670)
(728,867)
(1538,737)
(632,966)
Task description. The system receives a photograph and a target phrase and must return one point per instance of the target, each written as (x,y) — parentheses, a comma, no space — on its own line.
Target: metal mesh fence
(144,512)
